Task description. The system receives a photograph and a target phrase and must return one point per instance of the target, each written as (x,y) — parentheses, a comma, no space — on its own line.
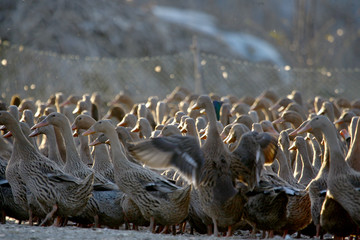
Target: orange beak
(43,123)
(89,132)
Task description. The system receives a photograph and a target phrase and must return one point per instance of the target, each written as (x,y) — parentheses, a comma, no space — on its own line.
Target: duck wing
(179,152)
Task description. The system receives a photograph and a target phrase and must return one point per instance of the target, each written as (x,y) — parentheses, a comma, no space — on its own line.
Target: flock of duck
(217,163)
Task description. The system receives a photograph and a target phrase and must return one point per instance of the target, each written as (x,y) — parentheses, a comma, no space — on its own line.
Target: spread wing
(179,152)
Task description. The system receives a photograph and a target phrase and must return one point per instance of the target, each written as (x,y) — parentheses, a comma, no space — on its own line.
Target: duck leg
(31,222)
(49,215)
(229,232)
(152,224)
(3,217)
(96,220)
(57,222)
(318,230)
(216,231)
(165,230)
(209,229)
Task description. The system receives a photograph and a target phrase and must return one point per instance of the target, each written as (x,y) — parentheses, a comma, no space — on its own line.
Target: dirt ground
(13,231)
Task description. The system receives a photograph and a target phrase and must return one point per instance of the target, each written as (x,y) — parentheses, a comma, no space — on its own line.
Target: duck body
(157,198)
(266,209)
(54,190)
(342,181)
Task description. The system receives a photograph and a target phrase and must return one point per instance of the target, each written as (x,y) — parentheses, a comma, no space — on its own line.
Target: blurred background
(148,47)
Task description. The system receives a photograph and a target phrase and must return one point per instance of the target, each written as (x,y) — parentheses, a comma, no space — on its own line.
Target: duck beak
(135,129)
(7,135)
(304,129)
(89,131)
(339,121)
(274,107)
(279,120)
(43,123)
(76,110)
(122,124)
(107,116)
(229,139)
(75,133)
(67,102)
(34,133)
(321,111)
(94,143)
(195,106)
(293,146)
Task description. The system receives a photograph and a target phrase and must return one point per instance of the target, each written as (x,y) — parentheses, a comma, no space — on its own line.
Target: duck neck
(72,155)
(117,152)
(21,143)
(284,170)
(307,172)
(298,166)
(85,154)
(213,133)
(354,149)
(336,157)
(101,155)
(296,121)
(54,153)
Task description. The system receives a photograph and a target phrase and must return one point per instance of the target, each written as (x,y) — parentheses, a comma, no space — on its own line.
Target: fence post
(199,87)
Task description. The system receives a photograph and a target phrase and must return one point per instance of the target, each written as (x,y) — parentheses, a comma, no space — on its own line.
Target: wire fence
(38,74)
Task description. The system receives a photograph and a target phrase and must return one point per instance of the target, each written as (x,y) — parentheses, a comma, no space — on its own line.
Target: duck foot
(49,215)
(165,230)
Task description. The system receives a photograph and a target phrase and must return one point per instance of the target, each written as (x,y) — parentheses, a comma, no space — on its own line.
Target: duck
(131,211)
(73,164)
(142,127)
(15,100)
(225,114)
(262,105)
(293,117)
(307,171)
(101,163)
(27,104)
(124,99)
(210,174)
(239,109)
(65,194)
(283,157)
(53,150)
(158,199)
(8,207)
(352,157)
(235,134)
(245,119)
(115,112)
(342,182)
(266,208)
